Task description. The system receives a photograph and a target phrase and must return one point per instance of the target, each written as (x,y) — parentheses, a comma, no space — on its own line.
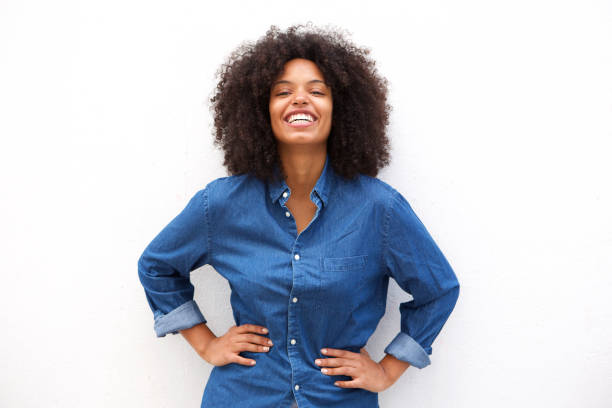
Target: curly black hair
(357,142)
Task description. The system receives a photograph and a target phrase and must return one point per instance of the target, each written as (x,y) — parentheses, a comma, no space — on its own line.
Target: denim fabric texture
(324,287)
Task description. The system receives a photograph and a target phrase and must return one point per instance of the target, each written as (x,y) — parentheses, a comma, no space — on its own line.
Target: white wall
(501,142)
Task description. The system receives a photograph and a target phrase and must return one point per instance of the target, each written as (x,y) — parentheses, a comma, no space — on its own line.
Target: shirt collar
(322,186)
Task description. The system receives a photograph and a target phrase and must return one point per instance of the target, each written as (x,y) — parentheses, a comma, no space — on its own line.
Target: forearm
(393,367)
(198,336)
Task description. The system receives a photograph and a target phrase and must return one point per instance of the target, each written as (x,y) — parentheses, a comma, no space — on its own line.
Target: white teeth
(303,116)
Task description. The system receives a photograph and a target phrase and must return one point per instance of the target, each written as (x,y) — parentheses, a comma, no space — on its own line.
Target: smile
(300,123)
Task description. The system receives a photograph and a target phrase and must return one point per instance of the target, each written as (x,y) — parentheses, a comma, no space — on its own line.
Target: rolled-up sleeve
(165,265)
(418,266)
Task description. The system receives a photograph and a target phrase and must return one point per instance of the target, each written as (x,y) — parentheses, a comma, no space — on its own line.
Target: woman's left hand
(366,373)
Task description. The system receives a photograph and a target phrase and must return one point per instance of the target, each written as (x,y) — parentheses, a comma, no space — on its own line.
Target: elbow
(143,270)
(454,294)
(451,291)
(453,285)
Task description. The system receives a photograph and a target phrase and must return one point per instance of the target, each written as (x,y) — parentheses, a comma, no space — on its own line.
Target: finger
(335,362)
(251,347)
(246,328)
(253,338)
(338,353)
(350,371)
(242,360)
(347,384)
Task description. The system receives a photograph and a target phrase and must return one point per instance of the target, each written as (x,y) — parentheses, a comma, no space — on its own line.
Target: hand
(225,349)
(366,373)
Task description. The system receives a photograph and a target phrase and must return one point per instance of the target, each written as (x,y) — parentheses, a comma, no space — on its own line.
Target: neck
(303,167)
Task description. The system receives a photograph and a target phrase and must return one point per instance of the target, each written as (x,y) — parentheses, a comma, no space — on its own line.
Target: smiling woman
(304,232)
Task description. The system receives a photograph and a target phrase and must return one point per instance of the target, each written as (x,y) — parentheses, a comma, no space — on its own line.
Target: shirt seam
(386,231)
(206,219)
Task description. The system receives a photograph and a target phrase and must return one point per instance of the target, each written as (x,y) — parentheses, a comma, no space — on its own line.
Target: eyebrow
(289,82)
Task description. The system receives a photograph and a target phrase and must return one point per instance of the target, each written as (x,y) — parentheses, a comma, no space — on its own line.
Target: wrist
(200,337)
(204,348)
(393,367)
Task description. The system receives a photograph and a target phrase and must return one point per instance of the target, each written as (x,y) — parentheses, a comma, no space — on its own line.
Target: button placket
(294,352)
(297,258)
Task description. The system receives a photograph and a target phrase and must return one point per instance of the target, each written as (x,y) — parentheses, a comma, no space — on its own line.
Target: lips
(300,123)
(306,111)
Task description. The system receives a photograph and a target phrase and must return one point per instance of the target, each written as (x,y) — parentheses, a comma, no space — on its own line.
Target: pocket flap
(344,263)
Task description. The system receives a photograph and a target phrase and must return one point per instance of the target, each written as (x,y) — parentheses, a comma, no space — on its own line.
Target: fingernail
(324,351)
(252,362)
(324,370)
(270,342)
(264,330)
(266,348)
(317,362)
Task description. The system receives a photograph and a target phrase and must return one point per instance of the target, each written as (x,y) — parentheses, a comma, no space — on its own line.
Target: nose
(299,98)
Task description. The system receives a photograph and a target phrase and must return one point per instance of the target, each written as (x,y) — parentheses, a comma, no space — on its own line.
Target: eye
(285,93)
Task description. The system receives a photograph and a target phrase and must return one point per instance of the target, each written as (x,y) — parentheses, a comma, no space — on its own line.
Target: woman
(303,231)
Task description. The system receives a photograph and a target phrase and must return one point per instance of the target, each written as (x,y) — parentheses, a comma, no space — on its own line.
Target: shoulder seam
(207,220)
(386,219)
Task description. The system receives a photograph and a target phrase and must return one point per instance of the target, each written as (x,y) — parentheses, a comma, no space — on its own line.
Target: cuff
(405,348)
(183,317)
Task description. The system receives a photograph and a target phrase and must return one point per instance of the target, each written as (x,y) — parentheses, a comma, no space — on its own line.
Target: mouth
(300,120)
(300,123)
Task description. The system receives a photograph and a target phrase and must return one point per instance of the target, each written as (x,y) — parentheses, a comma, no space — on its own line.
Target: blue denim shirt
(324,287)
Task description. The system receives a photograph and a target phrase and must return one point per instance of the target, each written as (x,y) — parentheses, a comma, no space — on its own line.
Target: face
(300,87)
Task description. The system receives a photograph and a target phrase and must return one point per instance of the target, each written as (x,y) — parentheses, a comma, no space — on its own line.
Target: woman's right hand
(225,349)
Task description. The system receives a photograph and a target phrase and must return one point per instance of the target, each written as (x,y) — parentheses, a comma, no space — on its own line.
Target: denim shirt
(324,287)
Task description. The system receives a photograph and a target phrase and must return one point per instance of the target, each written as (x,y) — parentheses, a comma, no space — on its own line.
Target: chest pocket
(345,264)
(340,279)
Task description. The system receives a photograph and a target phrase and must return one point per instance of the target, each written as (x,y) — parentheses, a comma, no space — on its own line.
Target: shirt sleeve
(418,266)
(164,267)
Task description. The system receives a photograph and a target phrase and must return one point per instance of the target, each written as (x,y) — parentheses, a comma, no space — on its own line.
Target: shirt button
(297,257)
(294,300)
(292,341)
(285,194)
(297,387)
(287,214)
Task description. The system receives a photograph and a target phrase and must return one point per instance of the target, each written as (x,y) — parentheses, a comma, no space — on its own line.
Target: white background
(501,128)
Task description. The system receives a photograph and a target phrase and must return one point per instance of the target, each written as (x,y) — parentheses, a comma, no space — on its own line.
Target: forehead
(299,69)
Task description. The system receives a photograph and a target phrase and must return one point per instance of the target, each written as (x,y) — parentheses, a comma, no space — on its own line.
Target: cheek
(275,111)
(327,107)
